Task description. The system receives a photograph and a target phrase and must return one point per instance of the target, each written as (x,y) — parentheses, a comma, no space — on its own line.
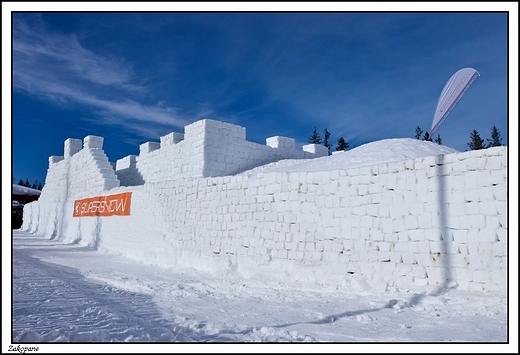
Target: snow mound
(373,153)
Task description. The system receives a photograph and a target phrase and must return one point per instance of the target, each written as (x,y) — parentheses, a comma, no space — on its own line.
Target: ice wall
(83,170)
(427,222)
(412,224)
(207,148)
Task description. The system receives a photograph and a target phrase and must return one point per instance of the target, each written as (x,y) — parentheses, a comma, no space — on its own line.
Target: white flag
(453,91)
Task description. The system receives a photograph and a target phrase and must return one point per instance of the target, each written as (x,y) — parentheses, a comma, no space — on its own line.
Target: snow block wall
(207,148)
(82,171)
(428,222)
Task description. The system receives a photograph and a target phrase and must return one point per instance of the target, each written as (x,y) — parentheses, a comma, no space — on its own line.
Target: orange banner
(111,205)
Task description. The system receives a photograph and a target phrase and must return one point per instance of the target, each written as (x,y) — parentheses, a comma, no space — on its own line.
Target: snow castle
(419,223)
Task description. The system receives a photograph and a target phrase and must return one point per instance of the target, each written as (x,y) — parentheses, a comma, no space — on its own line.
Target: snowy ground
(70,293)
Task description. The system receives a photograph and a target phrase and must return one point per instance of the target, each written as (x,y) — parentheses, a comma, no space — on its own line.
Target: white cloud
(44,49)
(59,68)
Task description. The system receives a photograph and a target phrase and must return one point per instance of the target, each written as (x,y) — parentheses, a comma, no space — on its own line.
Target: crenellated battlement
(207,148)
(84,167)
(409,223)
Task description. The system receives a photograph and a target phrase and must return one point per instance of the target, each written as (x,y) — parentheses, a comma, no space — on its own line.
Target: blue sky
(133,77)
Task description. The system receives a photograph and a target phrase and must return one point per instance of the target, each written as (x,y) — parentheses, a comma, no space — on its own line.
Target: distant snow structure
(24,194)
(451,94)
(21,195)
(23,190)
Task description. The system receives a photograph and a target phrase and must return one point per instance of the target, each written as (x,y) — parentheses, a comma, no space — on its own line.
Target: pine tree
(418,132)
(21,183)
(342,144)
(27,183)
(438,140)
(427,137)
(40,187)
(496,140)
(326,135)
(34,184)
(315,137)
(476,142)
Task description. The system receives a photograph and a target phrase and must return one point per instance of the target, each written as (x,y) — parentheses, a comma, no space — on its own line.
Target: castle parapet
(281,142)
(317,149)
(171,138)
(71,147)
(148,147)
(93,142)
(53,159)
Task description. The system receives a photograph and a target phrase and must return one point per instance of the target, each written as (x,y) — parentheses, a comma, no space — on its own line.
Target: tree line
(315,138)
(475,143)
(35,185)
(426,136)
(478,143)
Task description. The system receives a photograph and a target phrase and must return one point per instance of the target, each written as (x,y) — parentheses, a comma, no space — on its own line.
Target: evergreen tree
(418,132)
(342,144)
(427,137)
(496,140)
(326,135)
(34,184)
(21,183)
(27,183)
(438,140)
(40,187)
(476,142)
(315,137)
